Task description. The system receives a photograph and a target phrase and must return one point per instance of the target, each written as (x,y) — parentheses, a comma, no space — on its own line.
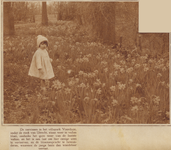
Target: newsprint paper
(118,94)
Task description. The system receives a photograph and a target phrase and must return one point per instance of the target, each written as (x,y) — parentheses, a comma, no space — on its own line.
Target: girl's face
(43,45)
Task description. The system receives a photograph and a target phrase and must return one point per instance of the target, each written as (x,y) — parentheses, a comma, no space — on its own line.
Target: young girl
(41,63)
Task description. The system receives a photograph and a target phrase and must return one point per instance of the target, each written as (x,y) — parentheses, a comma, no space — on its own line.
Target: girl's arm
(48,55)
(39,63)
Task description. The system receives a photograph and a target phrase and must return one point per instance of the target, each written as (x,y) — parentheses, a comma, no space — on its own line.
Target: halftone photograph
(82,63)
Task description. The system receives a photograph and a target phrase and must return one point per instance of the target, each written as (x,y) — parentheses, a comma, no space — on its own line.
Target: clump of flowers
(159,75)
(129,70)
(125,118)
(96,72)
(67,91)
(91,75)
(156,100)
(106,70)
(95,99)
(137,66)
(73,81)
(82,85)
(146,69)
(134,109)
(58,85)
(86,99)
(97,83)
(114,102)
(104,63)
(116,66)
(138,85)
(130,81)
(112,88)
(99,91)
(135,100)
(122,70)
(121,86)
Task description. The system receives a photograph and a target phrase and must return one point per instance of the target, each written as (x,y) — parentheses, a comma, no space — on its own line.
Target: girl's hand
(51,59)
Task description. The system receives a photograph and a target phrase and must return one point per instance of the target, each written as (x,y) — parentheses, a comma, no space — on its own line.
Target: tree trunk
(107,23)
(33,18)
(112,25)
(8,21)
(44,14)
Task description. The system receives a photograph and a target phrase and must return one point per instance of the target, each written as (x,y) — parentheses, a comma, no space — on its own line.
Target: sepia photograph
(82,63)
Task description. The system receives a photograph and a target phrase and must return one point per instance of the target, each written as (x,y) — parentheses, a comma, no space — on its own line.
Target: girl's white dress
(42,61)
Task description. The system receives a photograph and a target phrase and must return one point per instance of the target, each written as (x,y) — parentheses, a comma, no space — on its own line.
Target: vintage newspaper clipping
(78,75)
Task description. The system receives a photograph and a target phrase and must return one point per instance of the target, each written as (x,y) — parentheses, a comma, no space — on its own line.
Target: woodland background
(118,75)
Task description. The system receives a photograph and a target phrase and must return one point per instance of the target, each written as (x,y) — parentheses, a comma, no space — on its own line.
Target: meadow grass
(93,83)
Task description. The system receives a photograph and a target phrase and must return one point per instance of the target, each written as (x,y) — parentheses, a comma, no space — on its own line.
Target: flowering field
(94,83)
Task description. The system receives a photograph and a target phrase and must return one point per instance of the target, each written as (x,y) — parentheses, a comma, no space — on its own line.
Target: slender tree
(44,14)
(8,20)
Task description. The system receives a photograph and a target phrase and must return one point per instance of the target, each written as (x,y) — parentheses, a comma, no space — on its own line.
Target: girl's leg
(32,83)
(43,87)
(47,83)
(42,83)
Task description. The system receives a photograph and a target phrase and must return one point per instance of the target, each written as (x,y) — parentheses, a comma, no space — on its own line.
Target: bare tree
(8,21)
(44,14)
(101,16)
